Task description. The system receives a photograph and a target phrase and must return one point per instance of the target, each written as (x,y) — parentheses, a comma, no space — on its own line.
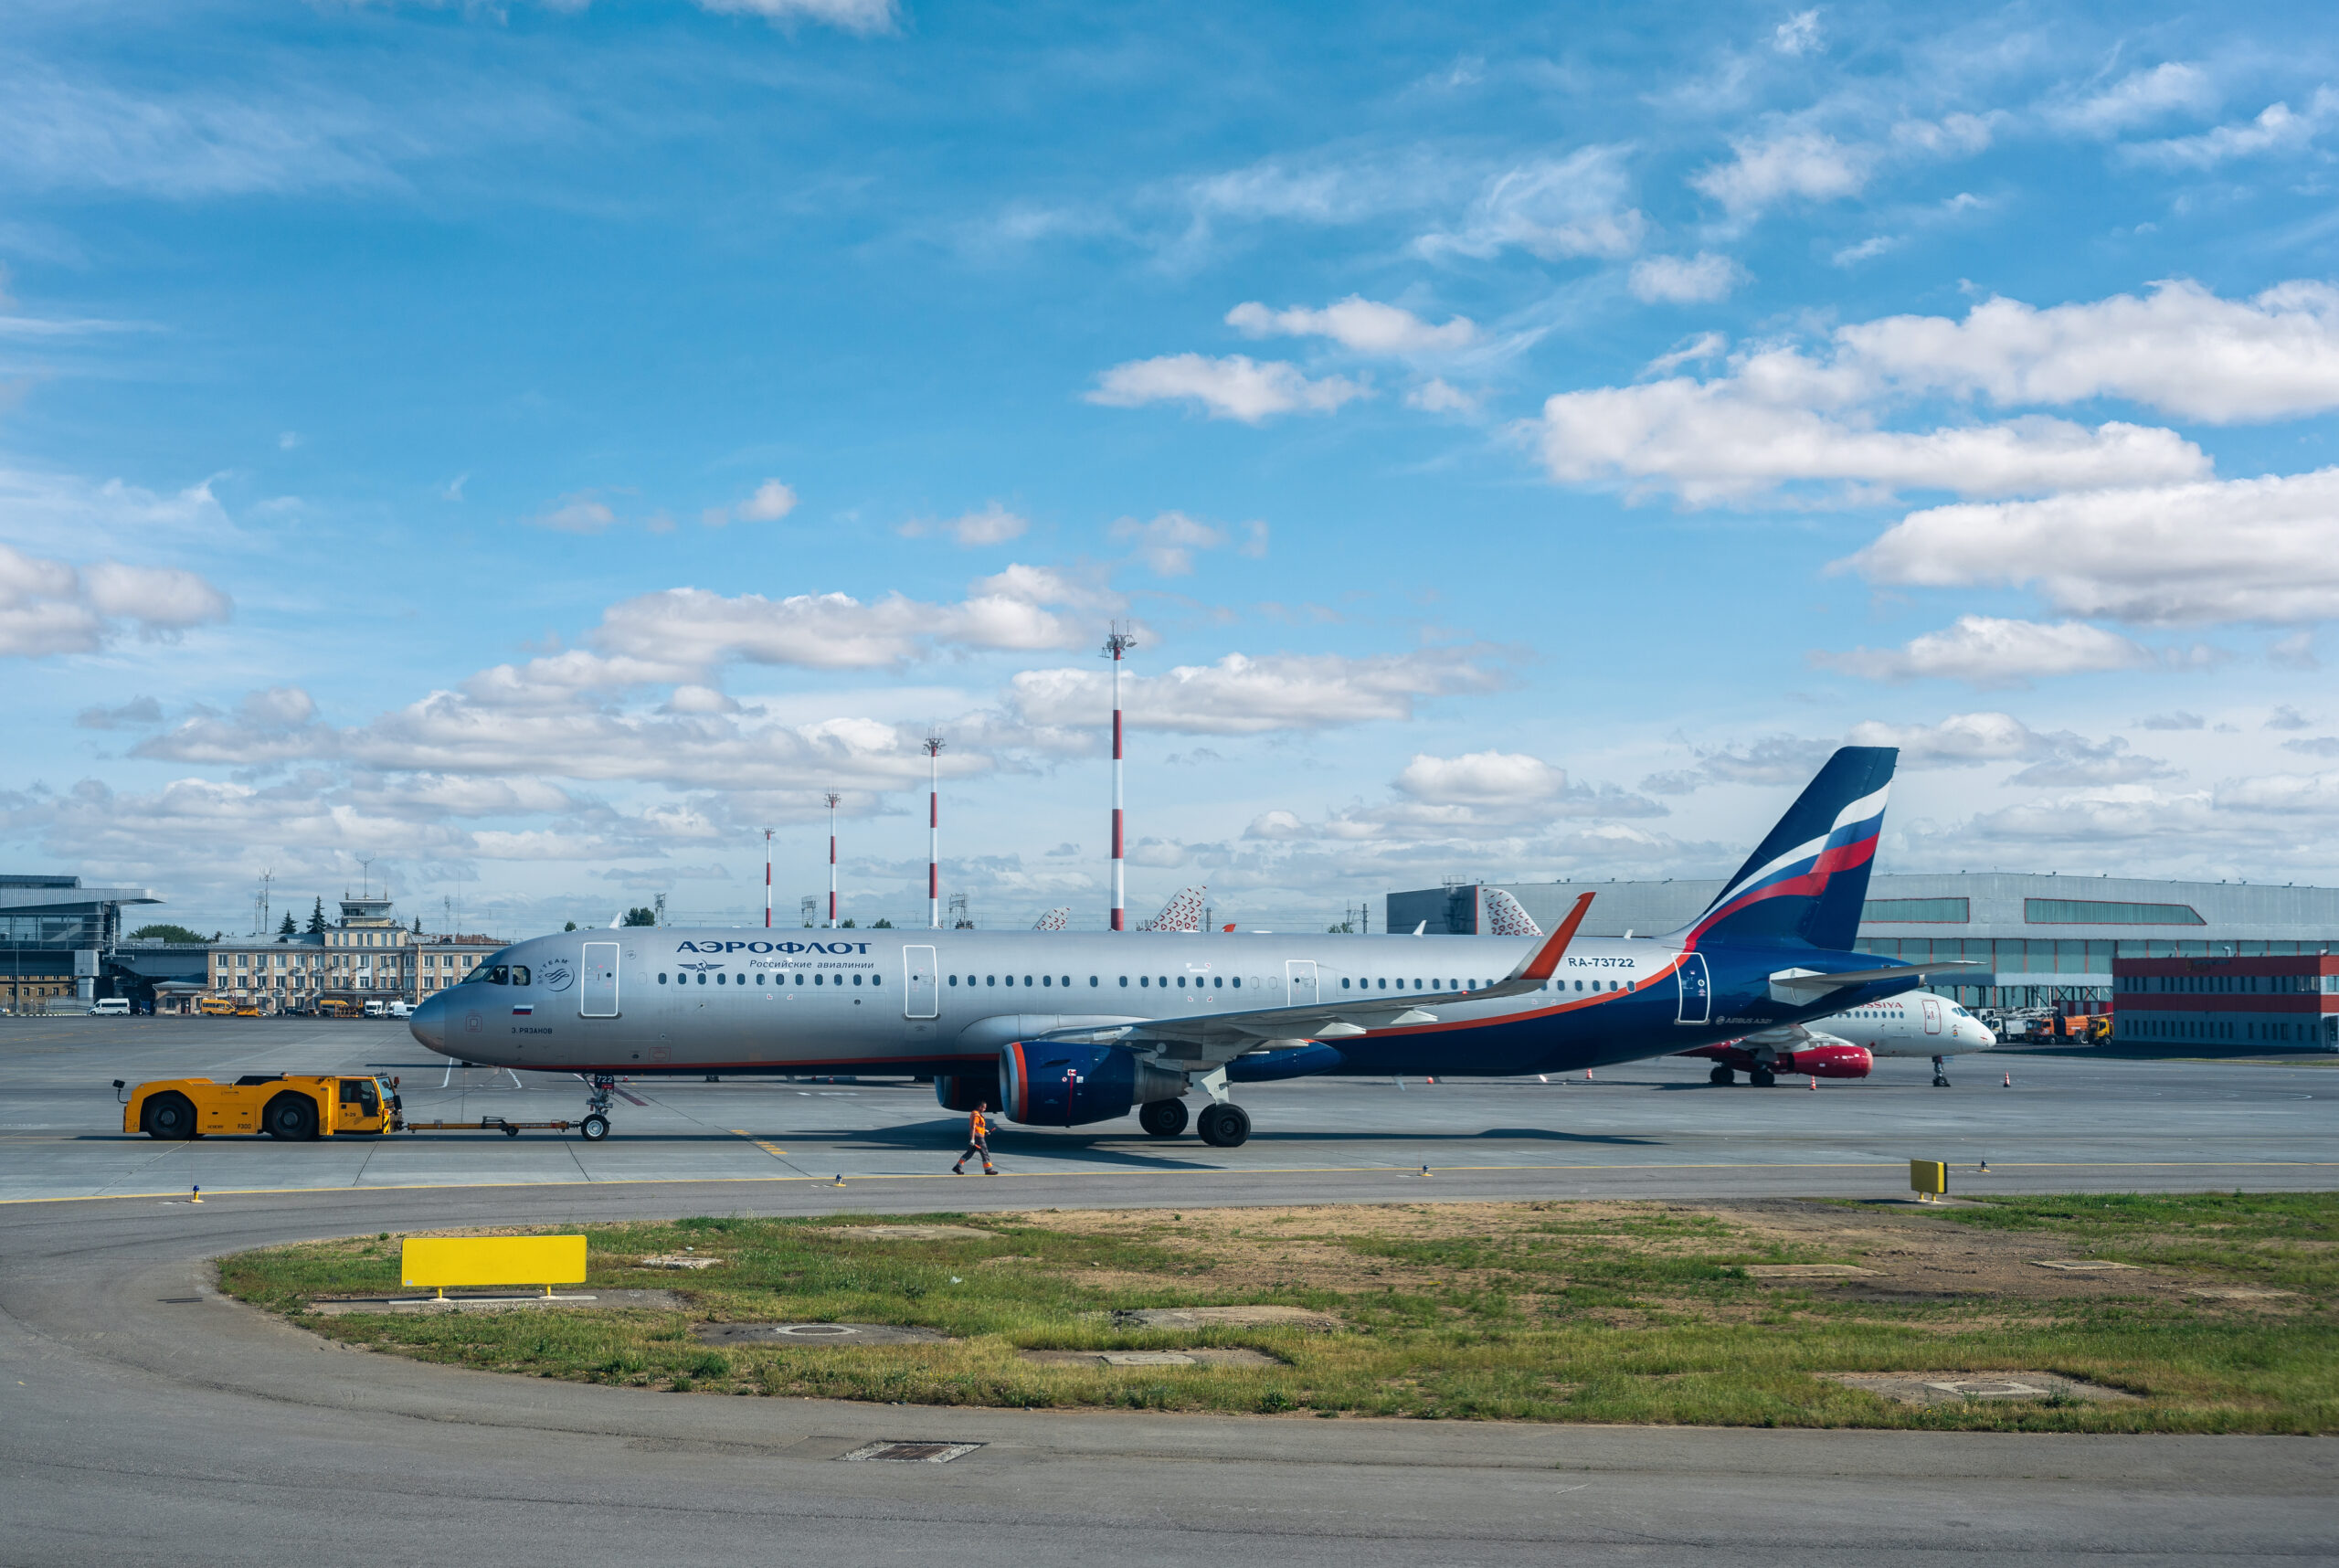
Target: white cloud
(1553,208)
(1987,651)
(1244,695)
(1685,281)
(1706,346)
(2277,129)
(772,502)
(1168,543)
(2179,719)
(2138,98)
(853,15)
(1482,777)
(1866,250)
(1758,429)
(1356,323)
(137,713)
(1234,387)
(2180,349)
(1437,395)
(2282,794)
(1804,165)
(584,512)
(994,524)
(1962,740)
(1798,35)
(2295,651)
(2256,550)
(49,606)
(689,630)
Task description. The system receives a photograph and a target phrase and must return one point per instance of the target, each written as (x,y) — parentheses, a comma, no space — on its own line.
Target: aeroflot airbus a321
(1059,1029)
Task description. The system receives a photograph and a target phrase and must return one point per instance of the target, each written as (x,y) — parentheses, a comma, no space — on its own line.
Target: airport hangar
(2214,963)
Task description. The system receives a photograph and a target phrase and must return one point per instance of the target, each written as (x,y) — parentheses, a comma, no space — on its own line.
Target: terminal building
(60,934)
(365,956)
(2042,940)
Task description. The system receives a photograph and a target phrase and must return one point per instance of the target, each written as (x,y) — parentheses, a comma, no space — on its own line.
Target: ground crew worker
(978,1141)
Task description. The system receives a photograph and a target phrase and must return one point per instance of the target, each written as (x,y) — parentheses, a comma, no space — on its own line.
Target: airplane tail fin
(1506,916)
(1055,919)
(1806,881)
(1183,913)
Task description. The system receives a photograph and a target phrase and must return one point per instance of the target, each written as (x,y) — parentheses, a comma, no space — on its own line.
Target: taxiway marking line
(771,1149)
(1414,1172)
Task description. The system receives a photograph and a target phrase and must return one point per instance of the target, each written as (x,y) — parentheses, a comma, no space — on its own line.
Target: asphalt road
(145,1418)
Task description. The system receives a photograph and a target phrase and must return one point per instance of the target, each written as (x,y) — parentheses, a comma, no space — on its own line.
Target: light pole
(1118,642)
(833,798)
(934,831)
(766,879)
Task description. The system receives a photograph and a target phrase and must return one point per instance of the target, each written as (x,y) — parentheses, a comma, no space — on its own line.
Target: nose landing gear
(1941,1072)
(596,1125)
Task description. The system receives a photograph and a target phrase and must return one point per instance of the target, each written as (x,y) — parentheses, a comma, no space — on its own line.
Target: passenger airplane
(1914,1023)
(1063,1029)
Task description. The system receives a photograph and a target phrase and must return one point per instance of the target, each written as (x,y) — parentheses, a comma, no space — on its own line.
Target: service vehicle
(295,1106)
(111,1007)
(214,1007)
(334,1007)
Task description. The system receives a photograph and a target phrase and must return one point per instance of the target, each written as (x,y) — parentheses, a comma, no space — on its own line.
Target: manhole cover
(913,1452)
(817,1331)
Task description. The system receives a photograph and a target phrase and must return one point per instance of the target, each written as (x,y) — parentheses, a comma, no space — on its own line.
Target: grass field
(1554,1312)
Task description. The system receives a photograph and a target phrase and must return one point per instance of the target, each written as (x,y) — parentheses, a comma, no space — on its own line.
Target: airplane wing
(1799,987)
(1218,1037)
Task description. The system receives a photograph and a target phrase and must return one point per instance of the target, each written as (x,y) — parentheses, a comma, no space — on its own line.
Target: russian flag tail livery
(1808,880)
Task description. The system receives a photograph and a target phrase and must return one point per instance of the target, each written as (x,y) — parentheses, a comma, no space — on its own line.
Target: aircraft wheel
(1224,1126)
(1722,1075)
(1762,1077)
(293,1117)
(169,1116)
(1163,1119)
(594,1128)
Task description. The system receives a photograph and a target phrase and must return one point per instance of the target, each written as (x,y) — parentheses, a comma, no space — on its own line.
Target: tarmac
(145,1414)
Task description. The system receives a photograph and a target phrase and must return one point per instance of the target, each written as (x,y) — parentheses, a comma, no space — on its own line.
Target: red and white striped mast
(933,831)
(1116,643)
(833,798)
(766,879)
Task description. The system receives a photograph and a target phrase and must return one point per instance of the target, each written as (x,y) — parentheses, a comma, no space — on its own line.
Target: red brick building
(2275,1003)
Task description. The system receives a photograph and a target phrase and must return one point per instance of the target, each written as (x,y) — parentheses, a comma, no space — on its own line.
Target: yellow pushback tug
(296,1106)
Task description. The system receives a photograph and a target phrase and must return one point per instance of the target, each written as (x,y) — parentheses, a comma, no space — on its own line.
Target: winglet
(1547,957)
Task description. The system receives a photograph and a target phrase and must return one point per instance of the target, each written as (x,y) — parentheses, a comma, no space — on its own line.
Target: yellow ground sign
(1928,1178)
(441,1261)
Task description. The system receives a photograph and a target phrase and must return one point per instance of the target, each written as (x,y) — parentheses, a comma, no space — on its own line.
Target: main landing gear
(1941,1072)
(1222,1125)
(1163,1119)
(596,1125)
(1762,1077)
(1723,1077)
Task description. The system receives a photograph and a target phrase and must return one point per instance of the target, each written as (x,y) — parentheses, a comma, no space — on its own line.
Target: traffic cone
(1815,1086)
(2009,1080)
(1587,1074)
(1432,1082)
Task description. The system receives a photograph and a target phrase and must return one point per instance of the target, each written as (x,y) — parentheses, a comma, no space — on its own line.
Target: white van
(111,1007)
(401,1010)
(373,1010)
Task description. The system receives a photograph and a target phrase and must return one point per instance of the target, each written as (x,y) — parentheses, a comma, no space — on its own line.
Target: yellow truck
(214,1007)
(297,1105)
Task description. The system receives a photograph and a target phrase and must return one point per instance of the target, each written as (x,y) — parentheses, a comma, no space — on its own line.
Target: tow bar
(484,1124)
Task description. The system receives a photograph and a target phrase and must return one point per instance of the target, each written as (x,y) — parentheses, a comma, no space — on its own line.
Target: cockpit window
(519,974)
(499,974)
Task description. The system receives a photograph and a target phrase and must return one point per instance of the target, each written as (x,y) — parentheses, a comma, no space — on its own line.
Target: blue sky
(538,447)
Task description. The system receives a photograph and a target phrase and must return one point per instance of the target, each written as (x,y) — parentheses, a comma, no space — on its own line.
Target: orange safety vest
(975,1129)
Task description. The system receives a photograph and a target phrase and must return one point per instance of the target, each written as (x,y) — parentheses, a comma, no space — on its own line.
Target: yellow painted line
(775,1151)
(1249,1172)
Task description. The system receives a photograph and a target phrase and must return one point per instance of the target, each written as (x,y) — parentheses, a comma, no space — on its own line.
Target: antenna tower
(366,867)
(832,799)
(660,902)
(933,831)
(1118,640)
(960,919)
(810,908)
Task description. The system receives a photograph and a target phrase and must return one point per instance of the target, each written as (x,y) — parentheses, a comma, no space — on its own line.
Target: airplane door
(1931,1004)
(919,998)
(1697,988)
(1299,982)
(597,994)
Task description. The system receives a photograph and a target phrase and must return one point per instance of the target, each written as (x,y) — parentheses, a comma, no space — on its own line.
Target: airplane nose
(429,1022)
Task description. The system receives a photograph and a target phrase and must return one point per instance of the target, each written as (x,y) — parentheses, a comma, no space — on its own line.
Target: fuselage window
(992,980)
(1142,980)
(1164,979)
(856,979)
(1380,985)
(1047,980)
(1067,980)
(1093,982)
(954,979)
(799,977)
(722,980)
(876,979)
(1027,979)
(1181,983)
(1236,981)
(1344,985)
(1125,980)
(820,980)
(702,977)
(661,976)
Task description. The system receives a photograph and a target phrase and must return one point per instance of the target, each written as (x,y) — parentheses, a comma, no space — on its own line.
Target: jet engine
(1051,1085)
(1272,1066)
(965,1091)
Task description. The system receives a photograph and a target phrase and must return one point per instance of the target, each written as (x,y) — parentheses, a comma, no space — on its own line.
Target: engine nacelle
(1050,1084)
(1273,1066)
(1813,1062)
(965,1091)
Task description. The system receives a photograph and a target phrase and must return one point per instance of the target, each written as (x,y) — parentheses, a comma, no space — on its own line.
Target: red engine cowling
(1827,1061)
(1814,1061)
